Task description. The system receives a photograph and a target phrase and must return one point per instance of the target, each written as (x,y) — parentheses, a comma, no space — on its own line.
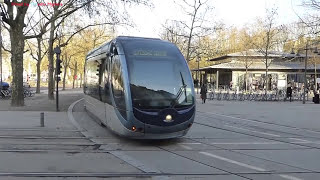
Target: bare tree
(246,46)
(38,55)
(197,11)
(66,64)
(14,18)
(268,40)
(74,67)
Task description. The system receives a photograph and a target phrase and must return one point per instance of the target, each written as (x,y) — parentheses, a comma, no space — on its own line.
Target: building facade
(247,71)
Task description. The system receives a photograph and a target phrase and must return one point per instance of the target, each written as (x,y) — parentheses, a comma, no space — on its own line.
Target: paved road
(229,140)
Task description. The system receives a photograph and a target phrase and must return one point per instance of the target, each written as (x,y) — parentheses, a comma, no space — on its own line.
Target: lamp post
(198,75)
(305,75)
(0,52)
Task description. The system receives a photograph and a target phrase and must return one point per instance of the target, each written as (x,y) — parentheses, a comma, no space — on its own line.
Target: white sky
(230,12)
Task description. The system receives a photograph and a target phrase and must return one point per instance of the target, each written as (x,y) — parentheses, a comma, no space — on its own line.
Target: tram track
(257,121)
(257,136)
(197,161)
(230,150)
(223,170)
(110,175)
(241,125)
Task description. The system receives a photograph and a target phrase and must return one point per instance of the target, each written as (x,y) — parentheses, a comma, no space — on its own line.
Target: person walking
(289,91)
(203,93)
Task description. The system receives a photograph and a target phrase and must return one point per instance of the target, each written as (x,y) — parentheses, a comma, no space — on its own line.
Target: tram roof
(121,38)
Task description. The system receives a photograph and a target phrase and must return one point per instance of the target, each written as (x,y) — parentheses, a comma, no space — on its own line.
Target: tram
(140,88)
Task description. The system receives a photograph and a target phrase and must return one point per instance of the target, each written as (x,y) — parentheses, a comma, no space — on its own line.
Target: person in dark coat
(203,93)
(289,92)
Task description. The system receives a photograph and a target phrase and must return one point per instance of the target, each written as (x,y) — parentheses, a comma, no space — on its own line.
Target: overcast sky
(231,12)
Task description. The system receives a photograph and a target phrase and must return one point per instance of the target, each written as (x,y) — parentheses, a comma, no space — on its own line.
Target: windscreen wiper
(181,89)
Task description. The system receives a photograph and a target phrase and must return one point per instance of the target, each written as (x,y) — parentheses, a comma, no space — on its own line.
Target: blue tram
(140,88)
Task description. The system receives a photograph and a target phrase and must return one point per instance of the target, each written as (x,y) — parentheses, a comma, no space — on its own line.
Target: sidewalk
(40,102)
(31,120)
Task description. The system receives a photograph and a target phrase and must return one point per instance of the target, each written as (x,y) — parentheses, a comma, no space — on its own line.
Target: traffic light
(98,70)
(58,67)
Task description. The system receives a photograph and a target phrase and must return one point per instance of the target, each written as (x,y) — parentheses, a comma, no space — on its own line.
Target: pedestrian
(203,93)
(289,91)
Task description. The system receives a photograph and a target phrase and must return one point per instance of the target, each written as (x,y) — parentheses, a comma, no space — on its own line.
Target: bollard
(42,119)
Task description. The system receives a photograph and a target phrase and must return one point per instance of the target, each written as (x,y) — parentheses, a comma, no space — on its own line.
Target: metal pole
(42,119)
(0,52)
(57,86)
(315,77)
(198,76)
(305,75)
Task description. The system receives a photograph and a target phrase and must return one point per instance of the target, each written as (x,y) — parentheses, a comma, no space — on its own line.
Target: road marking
(232,161)
(269,134)
(246,165)
(134,162)
(245,143)
(302,140)
(186,147)
(189,143)
(289,177)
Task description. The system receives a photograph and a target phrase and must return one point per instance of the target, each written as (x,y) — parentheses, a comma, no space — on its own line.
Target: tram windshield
(159,77)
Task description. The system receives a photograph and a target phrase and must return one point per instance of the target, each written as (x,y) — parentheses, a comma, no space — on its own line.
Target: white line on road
(232,161)
(189,143)
(246,165)
(269,134)
(258,143)
(186,147)
(289,177)
(244,143)
(302,140)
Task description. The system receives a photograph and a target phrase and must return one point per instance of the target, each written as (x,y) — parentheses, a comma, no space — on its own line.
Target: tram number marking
(149,53)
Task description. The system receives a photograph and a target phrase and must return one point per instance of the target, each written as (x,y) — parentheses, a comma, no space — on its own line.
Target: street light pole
(305,75)
(198,60)
(0,53)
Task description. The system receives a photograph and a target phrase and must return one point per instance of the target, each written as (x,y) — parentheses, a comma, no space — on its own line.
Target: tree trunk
(17,48)
(64,78)
(81,80)
(38,76)
(246,79)
(39,65)
(51,67)
(266,78)
(75,74)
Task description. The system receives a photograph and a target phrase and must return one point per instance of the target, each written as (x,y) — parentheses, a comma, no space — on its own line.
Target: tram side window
(101,81)
(92,79)
(107,82)
(118,86)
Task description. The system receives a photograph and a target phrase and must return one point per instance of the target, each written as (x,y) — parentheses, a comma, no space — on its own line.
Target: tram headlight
(168,118)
